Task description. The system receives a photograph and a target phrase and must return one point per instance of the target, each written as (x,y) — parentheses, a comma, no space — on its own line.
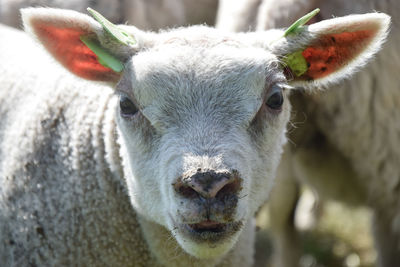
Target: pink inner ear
(333,51)
(64,44)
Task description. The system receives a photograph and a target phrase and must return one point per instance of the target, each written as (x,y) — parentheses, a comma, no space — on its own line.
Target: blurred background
(144,14)
(330,232)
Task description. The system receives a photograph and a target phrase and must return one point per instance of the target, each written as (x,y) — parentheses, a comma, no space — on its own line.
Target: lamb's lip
(208,225)
(210,231)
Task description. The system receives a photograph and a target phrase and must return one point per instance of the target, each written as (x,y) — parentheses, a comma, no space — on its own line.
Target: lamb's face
(203,130)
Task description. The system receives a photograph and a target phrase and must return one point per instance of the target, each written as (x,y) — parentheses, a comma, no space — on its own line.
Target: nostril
(231,188)
(208,184)
(185,190)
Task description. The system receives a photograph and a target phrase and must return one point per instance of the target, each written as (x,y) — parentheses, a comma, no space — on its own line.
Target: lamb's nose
(209,184)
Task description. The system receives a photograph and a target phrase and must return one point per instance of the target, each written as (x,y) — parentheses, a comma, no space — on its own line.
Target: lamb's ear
(332,49)
(81,44)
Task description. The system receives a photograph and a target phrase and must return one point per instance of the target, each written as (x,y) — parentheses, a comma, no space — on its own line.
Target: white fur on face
(201,108)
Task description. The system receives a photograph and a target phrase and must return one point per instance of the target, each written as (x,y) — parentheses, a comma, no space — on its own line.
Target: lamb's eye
(127,107)
(275,98)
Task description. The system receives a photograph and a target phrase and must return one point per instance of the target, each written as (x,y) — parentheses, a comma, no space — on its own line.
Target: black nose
(208,184)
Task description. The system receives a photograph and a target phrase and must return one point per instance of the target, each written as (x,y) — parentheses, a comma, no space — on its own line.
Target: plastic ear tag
(300,22)
(296,62)
(104,57)
(119,34)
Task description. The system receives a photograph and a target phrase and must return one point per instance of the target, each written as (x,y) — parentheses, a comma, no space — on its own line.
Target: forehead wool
(183,69)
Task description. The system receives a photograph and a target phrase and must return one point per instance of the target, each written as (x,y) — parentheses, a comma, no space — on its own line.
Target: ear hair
(59,18)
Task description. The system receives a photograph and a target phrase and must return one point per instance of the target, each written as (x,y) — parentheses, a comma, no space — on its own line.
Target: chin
(208,239)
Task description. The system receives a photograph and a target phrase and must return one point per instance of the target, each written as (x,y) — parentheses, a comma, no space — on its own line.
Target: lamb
(355,131)
(148,15)
(169,166)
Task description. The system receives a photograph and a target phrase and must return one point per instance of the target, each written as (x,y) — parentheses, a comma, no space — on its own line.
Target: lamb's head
(202,113)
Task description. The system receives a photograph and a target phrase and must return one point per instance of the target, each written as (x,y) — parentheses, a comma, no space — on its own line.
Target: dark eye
(275,98)
(127,107)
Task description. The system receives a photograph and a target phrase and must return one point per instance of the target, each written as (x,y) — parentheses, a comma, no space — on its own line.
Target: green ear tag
(297,63)
(120,35)
(300,22)
(105,58)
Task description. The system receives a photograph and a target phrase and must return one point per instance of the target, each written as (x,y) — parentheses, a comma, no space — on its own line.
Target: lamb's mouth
(210,231)
(208,226)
